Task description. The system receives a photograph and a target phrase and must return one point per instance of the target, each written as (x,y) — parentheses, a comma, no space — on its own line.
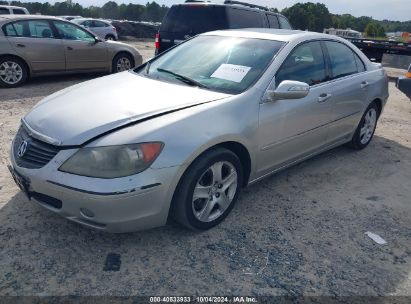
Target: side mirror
(97,39)
(289,89)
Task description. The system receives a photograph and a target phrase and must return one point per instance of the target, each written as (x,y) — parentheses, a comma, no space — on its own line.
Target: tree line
(304,16)
(151,11)
(316,17)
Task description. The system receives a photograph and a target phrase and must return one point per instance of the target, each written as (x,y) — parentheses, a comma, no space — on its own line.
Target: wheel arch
(236,147)
(119,53)
(379,104)
(20,58)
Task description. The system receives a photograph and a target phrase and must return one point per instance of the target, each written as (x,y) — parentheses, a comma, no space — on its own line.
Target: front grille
(37,153)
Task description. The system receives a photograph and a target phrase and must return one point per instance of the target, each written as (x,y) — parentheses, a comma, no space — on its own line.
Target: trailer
(375,49)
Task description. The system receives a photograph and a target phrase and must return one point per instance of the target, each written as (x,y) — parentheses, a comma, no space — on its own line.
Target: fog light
(86,212)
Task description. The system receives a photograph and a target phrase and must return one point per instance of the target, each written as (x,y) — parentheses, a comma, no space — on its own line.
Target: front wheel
(208,190)
(122,62)
(365,130)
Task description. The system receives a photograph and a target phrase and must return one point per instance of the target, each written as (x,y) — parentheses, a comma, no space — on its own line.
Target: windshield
(224,64)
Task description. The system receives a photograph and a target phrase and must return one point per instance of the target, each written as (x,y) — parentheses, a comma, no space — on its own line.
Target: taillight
(114,29)
(157,41)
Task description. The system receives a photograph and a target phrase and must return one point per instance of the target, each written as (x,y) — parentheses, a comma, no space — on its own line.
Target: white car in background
(102,28)
(13,10)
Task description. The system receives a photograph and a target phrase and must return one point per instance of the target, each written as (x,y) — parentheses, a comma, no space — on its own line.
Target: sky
(378,9)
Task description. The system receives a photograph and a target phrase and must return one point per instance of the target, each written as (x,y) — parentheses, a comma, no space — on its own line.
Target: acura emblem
(22,149)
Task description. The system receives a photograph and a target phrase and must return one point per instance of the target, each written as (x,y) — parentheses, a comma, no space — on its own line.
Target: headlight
(112,161)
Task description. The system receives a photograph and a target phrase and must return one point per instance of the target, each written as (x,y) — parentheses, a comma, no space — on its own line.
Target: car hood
(79,113)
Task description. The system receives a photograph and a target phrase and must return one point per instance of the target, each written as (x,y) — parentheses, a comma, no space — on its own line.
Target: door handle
(69,48)
(324,97)
(364,84)
(21,45)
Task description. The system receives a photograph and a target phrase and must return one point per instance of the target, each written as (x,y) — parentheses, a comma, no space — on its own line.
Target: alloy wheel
(11,72)
(123,64)
(214,191)
(367,130)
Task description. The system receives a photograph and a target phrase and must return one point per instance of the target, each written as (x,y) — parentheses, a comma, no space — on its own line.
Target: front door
(35,41)
(292,129)
(82,50)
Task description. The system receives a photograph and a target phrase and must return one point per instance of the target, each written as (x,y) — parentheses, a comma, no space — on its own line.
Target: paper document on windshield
(231,72)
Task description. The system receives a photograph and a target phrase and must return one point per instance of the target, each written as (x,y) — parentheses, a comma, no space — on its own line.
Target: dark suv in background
(195,17)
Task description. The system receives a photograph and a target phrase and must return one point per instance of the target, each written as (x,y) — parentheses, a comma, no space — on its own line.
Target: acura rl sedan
(180,136)
(39,45)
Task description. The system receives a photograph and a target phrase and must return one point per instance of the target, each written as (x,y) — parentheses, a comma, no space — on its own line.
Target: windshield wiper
(184,79)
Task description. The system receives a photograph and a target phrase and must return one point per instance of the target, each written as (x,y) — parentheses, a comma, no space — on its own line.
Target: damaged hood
(81,112)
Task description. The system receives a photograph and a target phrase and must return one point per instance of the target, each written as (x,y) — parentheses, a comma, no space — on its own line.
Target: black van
(194,17)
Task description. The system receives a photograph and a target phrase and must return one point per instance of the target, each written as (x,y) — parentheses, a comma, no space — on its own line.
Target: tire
(111,37)
(217,196)
(122,62)
(13,72)
(366,128)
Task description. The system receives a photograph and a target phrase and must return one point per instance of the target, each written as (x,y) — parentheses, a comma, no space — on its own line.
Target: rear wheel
(110,38)
(13,72)
(122,62)
(208,190)
(365,130)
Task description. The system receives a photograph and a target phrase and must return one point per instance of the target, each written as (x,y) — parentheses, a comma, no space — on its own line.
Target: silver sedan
(180,136)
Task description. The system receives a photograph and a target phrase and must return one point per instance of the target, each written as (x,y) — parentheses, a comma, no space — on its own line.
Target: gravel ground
(300,232)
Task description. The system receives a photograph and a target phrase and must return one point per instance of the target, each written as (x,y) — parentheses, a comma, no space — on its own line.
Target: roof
(12,6)
(4,18)
(235,5)
(268,33)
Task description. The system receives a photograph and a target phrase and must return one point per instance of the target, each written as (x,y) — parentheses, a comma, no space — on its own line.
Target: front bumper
(404,85)
(116,205)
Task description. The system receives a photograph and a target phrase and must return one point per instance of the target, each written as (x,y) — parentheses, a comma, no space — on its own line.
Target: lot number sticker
(231,72)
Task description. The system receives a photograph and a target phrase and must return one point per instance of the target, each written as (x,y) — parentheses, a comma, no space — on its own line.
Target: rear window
(18,11)
(29,29)
(100,24)
(194,19)
(273,21)
(4,11)
(239,18)
(284,23)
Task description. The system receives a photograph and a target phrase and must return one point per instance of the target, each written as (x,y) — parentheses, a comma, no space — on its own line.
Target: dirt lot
(299,232)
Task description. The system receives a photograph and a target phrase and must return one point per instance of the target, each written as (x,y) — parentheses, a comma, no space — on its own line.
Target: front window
(225,64)
(72,32)
(306,64)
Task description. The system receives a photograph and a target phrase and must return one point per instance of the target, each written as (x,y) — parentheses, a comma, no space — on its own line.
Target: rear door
(350,89)
(81,49)
(185,21)
(36,41)
(101,28)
